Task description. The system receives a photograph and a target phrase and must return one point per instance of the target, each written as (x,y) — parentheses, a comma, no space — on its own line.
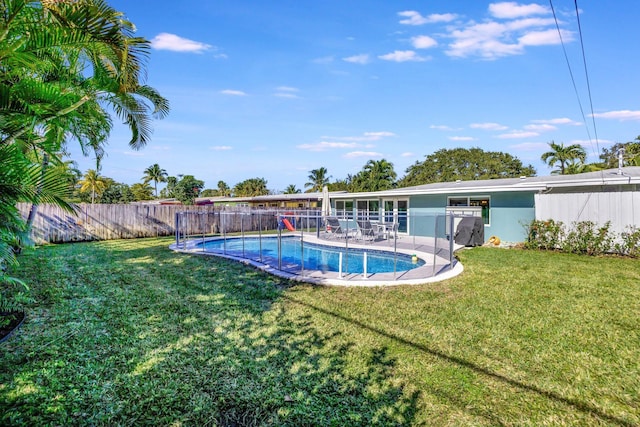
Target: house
(506,206)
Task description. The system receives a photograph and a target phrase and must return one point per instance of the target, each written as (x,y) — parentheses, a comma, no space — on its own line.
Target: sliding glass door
(397,211)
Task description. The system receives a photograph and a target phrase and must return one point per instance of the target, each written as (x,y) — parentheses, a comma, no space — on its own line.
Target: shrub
(545,235)
(587,238)
(630,242)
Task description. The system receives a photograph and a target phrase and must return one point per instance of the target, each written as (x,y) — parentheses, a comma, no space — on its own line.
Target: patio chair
(367,231)
(391,232)
(334,228)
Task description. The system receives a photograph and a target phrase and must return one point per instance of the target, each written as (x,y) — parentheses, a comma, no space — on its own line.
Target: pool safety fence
(430,236)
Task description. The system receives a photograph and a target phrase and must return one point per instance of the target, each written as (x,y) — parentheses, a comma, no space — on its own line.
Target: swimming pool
(316,257)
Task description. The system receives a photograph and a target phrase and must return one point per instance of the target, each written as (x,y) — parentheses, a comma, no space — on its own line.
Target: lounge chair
(334,228)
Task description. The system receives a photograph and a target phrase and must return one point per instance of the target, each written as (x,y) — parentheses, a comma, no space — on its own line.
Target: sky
(276,89)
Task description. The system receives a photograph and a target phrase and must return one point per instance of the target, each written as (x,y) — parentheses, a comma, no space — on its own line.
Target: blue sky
(275,89)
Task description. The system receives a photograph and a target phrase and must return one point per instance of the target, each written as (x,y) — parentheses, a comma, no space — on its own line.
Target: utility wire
(586,73)
(573,81)
(566,57)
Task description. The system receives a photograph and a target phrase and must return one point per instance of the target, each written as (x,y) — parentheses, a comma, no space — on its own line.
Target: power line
(586,73)
(573,81)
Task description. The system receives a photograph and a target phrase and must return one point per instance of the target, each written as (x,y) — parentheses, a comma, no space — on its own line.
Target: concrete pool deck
(435,269)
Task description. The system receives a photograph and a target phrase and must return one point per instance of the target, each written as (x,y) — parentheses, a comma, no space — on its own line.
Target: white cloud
(402,56)
(558,121)
(542,127)
(544,38)
(530,146)
(378,135)
(358,59)
(221,148)
(441,127)
(407,154)
(368,154)
(462,138)
(286,95)
(621,115)
(287,89)
(325,145)
(491,39)
(233,92)
(488,126)
(415,18)
(518,134)
(172,42)
(482,40)
(510,10)
(423,42)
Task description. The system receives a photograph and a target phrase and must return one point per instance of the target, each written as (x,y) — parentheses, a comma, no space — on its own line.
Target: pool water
(316,257)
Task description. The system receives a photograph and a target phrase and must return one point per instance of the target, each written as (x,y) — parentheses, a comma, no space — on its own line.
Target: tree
(92,183)
(223,189)
(341,184)
(156,174)
(142,191)
(169,191)
(563,155)
(251,187)
(448,165)
(630,154)
(318,178)
(68,59)
(291,189)
(61,64)
(376,175)
(187,189)
(116,192)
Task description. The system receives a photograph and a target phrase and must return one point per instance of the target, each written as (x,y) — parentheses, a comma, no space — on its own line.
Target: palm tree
(156,174)
(251,187)
(379,174)
(561,155)
(46,49)
(141,191)
(61,64)
(223,189)
(317,179)
(92,182)
(291,189)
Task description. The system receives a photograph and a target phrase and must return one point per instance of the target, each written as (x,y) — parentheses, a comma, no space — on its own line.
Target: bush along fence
(121,221)
(583,237)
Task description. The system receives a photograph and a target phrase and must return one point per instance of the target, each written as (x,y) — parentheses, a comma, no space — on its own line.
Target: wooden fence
(119,221)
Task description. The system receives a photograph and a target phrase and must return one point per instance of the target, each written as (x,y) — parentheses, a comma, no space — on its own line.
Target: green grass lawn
(128,333)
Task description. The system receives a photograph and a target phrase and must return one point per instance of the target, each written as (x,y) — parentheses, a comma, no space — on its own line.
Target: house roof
(273,197)
(628,175)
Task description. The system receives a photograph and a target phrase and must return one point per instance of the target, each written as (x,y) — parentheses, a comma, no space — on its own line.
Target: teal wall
(509,214)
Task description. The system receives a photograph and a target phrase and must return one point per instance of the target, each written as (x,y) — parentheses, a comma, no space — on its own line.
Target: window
(344,208)
(481,204)
(369,209)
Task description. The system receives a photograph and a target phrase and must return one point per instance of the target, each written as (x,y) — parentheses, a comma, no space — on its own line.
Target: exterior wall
(427,215)
(621,208)
(509,213)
